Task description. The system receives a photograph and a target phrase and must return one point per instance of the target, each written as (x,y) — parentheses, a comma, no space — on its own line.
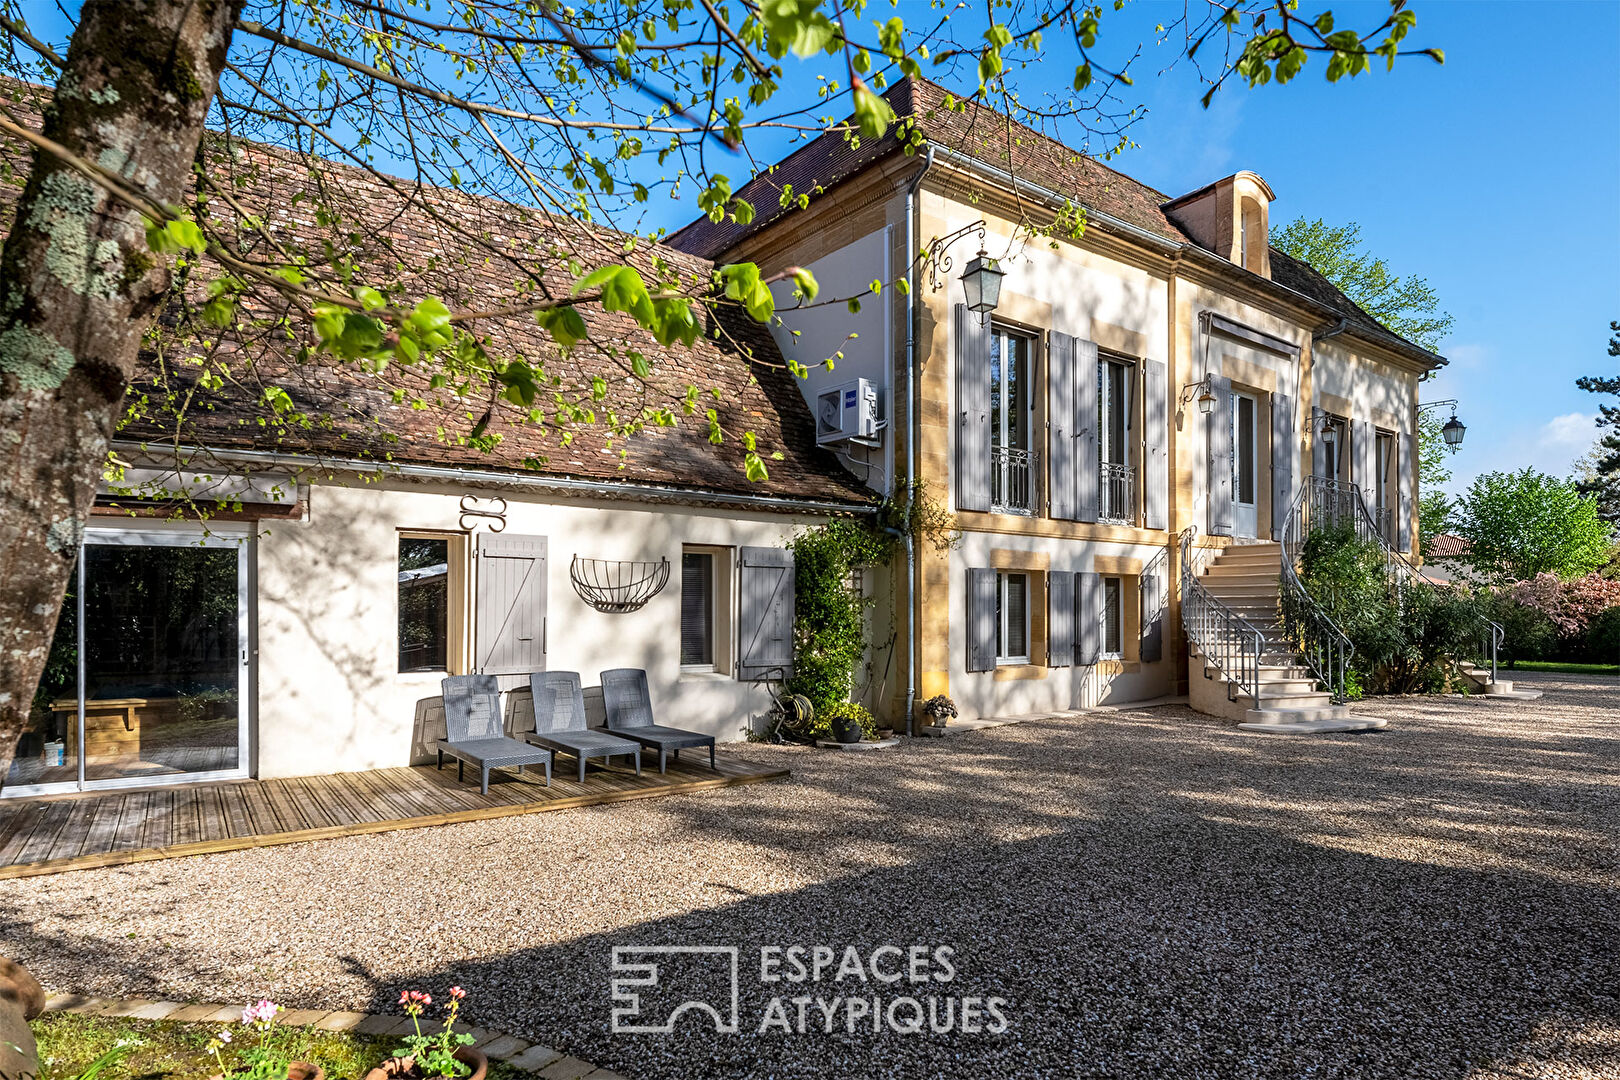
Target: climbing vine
(829,635)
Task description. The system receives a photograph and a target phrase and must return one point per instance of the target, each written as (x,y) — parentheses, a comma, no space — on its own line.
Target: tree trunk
(78,289)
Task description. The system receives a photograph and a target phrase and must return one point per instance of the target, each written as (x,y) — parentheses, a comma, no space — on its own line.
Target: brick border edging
(519,1053)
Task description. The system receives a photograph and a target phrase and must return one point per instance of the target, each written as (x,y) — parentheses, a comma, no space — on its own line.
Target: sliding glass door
(147,677)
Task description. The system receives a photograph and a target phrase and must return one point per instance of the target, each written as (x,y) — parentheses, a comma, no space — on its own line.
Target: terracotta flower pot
(405,1068)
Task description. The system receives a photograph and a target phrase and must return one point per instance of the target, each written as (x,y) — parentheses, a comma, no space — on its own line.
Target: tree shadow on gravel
(1158,895)
(1154,893)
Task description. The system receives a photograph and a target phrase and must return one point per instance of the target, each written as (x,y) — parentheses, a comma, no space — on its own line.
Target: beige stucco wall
(330,697)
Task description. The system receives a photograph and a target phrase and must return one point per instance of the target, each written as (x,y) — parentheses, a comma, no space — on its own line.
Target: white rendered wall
(330,696)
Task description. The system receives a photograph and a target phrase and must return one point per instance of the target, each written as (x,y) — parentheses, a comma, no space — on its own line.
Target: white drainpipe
(912,277)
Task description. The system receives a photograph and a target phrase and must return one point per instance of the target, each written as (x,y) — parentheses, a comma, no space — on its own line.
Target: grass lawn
(70,1043)
(1565,668)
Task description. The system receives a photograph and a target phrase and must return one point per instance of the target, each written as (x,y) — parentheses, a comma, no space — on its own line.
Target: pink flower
(457,992)
(263,1011)
(224,1036)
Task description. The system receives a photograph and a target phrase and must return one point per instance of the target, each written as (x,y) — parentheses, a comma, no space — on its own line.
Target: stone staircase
(1479,682)
(1243,577)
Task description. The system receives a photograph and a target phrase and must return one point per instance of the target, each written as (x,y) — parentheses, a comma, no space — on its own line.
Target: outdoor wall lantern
(1454,429)
(1330,430)
(982,283)
(1206,399)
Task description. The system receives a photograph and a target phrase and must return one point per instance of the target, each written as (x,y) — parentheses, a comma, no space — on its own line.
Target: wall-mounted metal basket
(617,587)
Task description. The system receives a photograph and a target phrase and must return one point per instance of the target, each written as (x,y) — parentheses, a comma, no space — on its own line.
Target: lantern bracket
(938,257)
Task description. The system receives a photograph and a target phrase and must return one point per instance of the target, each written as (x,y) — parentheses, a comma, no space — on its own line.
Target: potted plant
(939,709)
(850,723)
(446,1054)
(261,1059)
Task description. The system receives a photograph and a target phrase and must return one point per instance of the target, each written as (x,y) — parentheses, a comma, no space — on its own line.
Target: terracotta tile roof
(991,138)
(970,129)
(1304,278)
(468,251)
(1447,546)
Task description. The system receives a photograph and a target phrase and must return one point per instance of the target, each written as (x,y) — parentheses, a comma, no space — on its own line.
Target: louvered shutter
(1088,618)
(764,613)
(1059,618)
(973,411)
(510,620)
(982,617)
(1220,457)
(1283,449)
(1156,442)
(1403,527)
(1152,618)
(697,608)
(1085,429)
(1365,445)
(1060,407)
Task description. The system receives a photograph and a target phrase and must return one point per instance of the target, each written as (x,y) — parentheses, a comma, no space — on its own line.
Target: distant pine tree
(1603,480)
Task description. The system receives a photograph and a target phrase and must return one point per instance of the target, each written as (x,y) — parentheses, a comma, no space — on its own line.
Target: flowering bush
(435,1054)
(1571,605)
(258,1060)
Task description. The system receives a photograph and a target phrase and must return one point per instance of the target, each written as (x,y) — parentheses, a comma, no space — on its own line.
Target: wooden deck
(78,832)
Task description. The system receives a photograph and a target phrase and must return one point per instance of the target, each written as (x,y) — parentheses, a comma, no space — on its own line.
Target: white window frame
(1105,414)
(721,571)
(1118,615)
(1001,338)
(1004,626)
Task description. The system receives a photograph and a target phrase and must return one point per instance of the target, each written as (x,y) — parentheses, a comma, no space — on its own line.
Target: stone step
(1274,687)
(1308,721)
(1250,559)
(1221,587)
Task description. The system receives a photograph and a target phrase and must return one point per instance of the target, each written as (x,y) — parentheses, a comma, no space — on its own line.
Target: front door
(146,678)
(1245,467)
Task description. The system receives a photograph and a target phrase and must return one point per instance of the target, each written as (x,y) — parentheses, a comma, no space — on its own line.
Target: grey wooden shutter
(1059,618)
(1152,618)
(1060,407)
(982,619)
(1282,462)
(1403,465)
(1220,457)
(510,620)
(973,411)
(764,613)
(1085,429)
(1088,618)
(1156,442)
(1366,461)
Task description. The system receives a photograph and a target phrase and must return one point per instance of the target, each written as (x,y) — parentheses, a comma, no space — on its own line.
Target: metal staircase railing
(1325,648)
(1327,503)
(1224,638)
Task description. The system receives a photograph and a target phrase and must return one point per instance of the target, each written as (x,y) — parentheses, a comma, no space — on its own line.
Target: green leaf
(805,282)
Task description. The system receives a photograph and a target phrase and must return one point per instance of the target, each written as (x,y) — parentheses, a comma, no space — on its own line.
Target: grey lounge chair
(474,732)
(629,713)
(560,724)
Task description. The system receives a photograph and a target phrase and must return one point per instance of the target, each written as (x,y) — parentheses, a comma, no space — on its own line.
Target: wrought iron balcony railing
(1012,480)
(1116,493)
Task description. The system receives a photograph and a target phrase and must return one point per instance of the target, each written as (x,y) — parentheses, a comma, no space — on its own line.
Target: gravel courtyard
(1153,893)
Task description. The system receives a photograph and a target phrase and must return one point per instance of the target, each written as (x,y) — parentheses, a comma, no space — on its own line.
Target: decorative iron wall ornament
(938,257)
(496,517)
(618,586)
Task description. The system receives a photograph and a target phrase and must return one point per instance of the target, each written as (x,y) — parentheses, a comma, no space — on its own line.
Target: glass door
(147,676)
(1245,466)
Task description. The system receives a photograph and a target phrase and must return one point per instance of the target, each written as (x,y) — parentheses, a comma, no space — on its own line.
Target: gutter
(912,284)
(555,485)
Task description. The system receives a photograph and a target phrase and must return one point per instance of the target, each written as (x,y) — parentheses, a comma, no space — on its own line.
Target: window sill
(703,674)
(1014,672)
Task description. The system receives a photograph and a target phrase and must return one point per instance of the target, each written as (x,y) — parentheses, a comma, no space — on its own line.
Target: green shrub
(1527,633)
(1603,637)
(845,710)
(1403,636)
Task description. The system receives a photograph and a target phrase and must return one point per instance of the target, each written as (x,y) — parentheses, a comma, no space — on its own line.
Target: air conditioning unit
(847,412)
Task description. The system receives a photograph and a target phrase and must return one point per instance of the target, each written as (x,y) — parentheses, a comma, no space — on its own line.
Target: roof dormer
(1230,217)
